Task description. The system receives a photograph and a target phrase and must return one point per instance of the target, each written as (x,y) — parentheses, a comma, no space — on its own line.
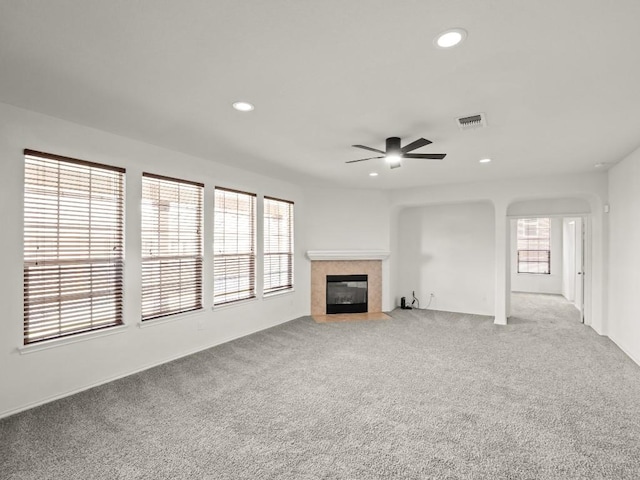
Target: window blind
(534,245)
(73,246)
(171,246)
(234,235)
(278,245)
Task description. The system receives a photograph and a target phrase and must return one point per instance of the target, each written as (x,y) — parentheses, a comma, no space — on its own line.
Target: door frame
(585,311)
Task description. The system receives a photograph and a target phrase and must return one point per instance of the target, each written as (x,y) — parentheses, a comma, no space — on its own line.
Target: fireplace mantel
(325,255)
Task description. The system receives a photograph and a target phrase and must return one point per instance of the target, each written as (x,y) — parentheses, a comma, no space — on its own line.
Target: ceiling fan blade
(428,156)
(368,148)
(421,142)
(362,159)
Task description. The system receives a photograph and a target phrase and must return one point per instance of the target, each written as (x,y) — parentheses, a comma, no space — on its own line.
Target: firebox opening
(347,294)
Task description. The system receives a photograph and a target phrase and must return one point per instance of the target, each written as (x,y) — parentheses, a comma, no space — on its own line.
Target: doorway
(573,233)
(541,308)
(547,260)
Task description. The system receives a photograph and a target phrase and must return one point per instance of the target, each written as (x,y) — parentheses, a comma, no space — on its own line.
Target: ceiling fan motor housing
(393,146)
(393,152)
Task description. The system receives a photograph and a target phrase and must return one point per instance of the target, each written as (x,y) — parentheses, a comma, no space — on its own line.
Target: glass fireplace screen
(346,293)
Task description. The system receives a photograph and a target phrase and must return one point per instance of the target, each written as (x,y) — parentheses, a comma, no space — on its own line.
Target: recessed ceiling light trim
(485,160)
(450,38)
(373,174)
(243,106)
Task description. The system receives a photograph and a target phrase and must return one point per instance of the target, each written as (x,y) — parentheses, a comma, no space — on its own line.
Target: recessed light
(243,106)
(485,160)
(601,165)
(450,38)
(373,174)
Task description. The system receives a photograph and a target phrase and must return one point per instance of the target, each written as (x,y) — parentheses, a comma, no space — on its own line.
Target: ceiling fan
(394,153)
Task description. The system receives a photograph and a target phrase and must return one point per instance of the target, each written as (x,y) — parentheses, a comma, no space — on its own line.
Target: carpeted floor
(426,395)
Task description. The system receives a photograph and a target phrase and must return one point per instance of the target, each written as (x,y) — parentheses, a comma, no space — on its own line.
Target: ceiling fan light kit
(394,153)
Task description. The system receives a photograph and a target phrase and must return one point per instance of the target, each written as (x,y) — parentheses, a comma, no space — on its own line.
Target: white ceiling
(559,81)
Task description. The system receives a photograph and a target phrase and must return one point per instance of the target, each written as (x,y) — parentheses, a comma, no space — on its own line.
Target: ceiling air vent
(472,121)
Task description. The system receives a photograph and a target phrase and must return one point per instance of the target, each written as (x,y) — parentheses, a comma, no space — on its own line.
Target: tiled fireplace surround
(345,262)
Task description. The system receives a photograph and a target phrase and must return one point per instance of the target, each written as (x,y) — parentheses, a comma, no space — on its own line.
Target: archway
(549,248)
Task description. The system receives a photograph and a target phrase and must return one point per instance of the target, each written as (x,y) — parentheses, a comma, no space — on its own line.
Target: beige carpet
(425,395)
(351,317)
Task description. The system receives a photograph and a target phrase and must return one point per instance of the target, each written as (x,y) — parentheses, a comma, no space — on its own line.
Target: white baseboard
(625,349)
(53,398)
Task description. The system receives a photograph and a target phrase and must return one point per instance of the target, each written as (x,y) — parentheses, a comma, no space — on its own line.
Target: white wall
(32,378)
(548,206)
(448,250)
(539,283)
(591,189)
(624,255)
(350,219)
(347,219)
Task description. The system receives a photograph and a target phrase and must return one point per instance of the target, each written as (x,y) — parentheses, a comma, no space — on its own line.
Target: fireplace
(346,262)
(347,294)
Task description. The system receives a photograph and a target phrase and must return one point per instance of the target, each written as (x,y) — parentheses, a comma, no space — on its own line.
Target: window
(534,255)
(234,240)
(278,245)
(171,246)
(73,246)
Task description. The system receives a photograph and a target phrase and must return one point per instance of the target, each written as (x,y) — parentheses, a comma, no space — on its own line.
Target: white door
(569,259)
(579,262)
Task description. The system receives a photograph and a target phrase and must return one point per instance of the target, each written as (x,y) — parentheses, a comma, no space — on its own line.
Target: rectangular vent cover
(472,121)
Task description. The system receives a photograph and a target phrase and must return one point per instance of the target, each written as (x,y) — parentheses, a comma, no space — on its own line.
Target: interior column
(502,272)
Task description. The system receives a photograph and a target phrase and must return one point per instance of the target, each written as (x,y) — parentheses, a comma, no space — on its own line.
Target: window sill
(237,303)
(278,294)
(169,318)
(80,337)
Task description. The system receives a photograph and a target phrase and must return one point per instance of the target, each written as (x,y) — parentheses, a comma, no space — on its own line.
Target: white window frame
(234,246)
(73,247)
(171,234)
(278,241)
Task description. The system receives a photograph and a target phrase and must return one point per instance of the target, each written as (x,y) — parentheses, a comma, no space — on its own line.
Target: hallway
(542,308)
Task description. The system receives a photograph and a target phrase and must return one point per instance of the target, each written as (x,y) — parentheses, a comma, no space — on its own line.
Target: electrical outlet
(200,324)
